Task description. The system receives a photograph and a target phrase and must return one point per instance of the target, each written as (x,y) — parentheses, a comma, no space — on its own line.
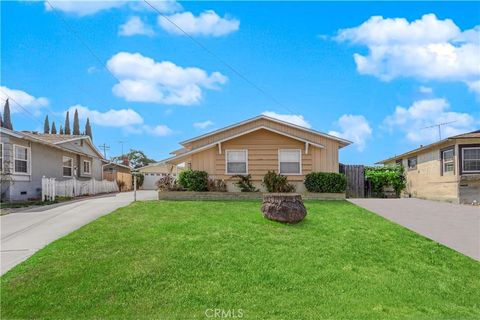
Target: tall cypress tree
(88,129)
(1,121)
(7,121)
(61,130)
(67,123)
(76,124)
(54,128)
(46,125)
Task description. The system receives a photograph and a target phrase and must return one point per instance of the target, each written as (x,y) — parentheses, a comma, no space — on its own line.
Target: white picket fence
(52,188)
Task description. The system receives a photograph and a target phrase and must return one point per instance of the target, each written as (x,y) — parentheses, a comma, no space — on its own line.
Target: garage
(150,180)
(153,172)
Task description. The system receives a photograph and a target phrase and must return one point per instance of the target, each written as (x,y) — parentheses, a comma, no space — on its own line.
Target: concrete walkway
(24,233)
(455,226)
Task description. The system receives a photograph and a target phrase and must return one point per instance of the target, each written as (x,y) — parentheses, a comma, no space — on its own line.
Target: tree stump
(283,207)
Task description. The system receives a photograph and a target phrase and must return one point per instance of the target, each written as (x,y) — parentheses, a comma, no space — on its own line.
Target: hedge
(193,180)
(325,182)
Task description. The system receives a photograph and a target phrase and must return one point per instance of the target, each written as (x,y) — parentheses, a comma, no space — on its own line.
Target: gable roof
(343,141)
(467,135)
(53,140)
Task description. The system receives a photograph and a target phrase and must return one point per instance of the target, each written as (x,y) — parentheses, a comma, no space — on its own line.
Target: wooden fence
(120,176)
(355,175)
(52,188)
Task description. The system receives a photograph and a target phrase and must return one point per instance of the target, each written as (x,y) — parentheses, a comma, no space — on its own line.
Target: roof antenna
(439,126)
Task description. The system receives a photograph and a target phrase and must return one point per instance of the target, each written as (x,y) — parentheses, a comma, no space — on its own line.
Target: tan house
(447,170)
(257,145)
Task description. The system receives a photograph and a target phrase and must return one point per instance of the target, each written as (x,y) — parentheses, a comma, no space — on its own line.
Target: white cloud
(428,112)
(203,124)
(142,79)
(90,7)
(158,131)
(110,118)
(208,23)
(296,119)
(135,26)
(31,103)
(424,89)
(354,128)
(474,86)
(427,48)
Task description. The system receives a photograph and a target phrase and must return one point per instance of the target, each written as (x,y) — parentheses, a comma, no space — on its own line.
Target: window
(412,163)
(447,160)
(86,166)
(289,161)
(22,159)
(236,161)
(67,166)
(399,162)
(471,159)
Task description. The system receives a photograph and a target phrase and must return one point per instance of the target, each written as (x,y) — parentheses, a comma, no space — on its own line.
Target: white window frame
(452,161)
(29,160)
(89,172)
(300,162)
(463,159)
(63,160)
(226,161)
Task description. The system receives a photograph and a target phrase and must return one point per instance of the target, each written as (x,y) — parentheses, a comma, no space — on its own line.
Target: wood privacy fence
(52,188)
(120,176)
(355,175)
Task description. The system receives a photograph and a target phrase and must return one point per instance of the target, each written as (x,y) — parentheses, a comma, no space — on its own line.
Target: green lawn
(175,260)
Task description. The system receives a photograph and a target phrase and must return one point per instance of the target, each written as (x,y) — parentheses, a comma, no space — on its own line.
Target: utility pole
(439,126)
(105,147)
(121,143)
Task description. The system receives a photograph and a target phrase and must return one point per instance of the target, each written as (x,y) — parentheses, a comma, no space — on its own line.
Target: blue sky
(373,73)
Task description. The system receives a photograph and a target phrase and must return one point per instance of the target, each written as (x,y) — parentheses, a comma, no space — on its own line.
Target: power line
(225,63)
(27,112)
(105,148)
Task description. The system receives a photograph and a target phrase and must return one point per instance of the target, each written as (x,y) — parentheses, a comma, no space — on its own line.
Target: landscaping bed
(179,259)
(210,195)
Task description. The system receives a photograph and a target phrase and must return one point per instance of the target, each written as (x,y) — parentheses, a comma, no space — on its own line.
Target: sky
(373,73)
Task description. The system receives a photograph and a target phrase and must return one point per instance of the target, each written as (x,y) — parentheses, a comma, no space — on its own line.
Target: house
(154,171)
(28,156)
(118,172)
(446,170)
(258,145)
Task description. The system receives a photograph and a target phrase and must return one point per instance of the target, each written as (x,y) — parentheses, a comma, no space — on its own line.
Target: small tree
(54,129)
(61,130)
(46,125)
(7,121)
(76,124)
(67,124)
(88,129)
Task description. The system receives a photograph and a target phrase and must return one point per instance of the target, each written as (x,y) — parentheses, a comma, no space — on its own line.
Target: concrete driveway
(24,233)
(455,226)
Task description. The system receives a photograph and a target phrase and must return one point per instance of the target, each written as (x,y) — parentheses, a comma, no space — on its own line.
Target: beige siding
(263,146)
(259,123)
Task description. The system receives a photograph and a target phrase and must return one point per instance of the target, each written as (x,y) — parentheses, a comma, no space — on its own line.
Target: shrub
(193,180)
(274,182)
(140,178)
(381,177)
(217,185)
(167,183)
(325,182)
(120,184)
(245,183)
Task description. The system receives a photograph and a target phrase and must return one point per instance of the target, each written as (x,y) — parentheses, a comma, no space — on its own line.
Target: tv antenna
(104,147)
(439,126)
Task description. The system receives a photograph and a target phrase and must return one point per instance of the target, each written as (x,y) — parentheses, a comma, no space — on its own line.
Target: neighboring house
(154,171)
(28,156)
(118,172)
(258,145)
(447,170)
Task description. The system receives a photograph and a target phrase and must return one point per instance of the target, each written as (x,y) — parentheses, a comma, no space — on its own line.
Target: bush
(381,177)
(274,182)
(245,183)
(167,183)
(330,182)
(120,184)
(193,180)
(217,185)
(140,178)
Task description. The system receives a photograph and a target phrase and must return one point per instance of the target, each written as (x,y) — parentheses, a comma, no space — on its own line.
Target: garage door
(150,181)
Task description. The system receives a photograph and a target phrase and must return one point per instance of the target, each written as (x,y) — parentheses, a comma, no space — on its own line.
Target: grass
(175,260)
